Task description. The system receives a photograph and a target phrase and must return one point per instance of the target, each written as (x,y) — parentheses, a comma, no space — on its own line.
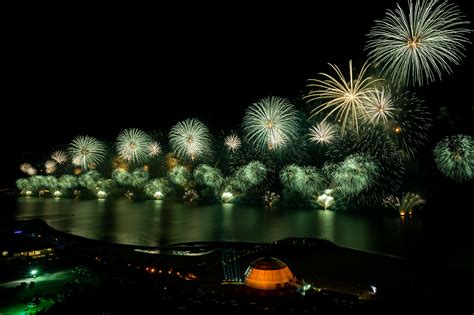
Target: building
(268,273)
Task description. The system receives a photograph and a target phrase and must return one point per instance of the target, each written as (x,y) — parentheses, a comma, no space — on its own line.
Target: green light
(34,272)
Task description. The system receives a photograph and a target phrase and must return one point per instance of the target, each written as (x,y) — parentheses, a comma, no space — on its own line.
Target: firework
(270,198)
(271,123)
(190,138)
(31,171)
(346,98)
(23,184)
(133,145)
(43,183)
(454,157)
(190,195)
(137,178)
(380,143)
(67,182)
(380,106)
(416,47)
(121,177)
(89,180)
(325,200)
(355,174)
(104,186)
(154,149)
(24,167)
(101,194)
(249,176)
(408,202)
(227,196)
(179,175)
(410,126)
(156,188)
(87,152)
(59,156)
(50,167)
(303,180)
(232,143)
(322,133)
(208,176)
(28,169)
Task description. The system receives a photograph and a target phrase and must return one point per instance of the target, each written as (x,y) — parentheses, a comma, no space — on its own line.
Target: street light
(34,272)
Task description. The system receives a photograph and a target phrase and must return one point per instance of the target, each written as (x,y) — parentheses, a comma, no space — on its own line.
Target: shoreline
(342,274)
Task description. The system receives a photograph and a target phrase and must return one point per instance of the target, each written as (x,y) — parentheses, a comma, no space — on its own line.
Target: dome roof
(268,273)
(268,263)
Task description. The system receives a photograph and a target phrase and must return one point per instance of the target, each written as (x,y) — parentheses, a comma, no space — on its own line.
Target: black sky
(98,73)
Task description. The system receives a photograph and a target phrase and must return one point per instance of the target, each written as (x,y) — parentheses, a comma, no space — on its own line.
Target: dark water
(165,222)
(153,223)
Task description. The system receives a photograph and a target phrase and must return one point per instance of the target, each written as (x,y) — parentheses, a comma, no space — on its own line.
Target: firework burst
(156,188)
(322,133)
(232,143)
(50,167)
(208,176)
(28,169)
(87,152)
(249,176)
(271,123)
(355,174)
(180,176)
(346,98)
(454,156)
(416,47)
(190,139)
(304,180)
(154,149)
(406,204)
(133,145)
(59,156)
(409,129)
(380,106)
(67,182)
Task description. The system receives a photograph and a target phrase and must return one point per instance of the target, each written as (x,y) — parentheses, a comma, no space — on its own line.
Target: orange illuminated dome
(268,273)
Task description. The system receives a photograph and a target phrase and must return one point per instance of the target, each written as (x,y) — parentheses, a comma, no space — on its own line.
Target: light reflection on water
(155,223)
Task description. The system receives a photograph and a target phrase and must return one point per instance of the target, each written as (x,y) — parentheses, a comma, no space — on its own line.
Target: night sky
(98,73)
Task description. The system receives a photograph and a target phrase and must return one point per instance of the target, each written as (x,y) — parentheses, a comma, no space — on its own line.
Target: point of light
(374,289)
(227,196)
(101,194)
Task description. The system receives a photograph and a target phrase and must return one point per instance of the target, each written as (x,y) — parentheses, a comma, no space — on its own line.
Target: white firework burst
(346,98)
(322,133)
(25,166)
(190,138)
(86,152)
(417,46)
(31,171)
(133,145)
(380,106)
(28,169)
(59,156)
(232,143)
(154,149)
(50,167)
(271,122)
(76,160)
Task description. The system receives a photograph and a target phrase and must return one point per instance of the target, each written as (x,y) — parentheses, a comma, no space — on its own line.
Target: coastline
(341,273)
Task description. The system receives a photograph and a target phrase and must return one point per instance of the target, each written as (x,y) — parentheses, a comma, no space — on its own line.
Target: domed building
(268,273)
